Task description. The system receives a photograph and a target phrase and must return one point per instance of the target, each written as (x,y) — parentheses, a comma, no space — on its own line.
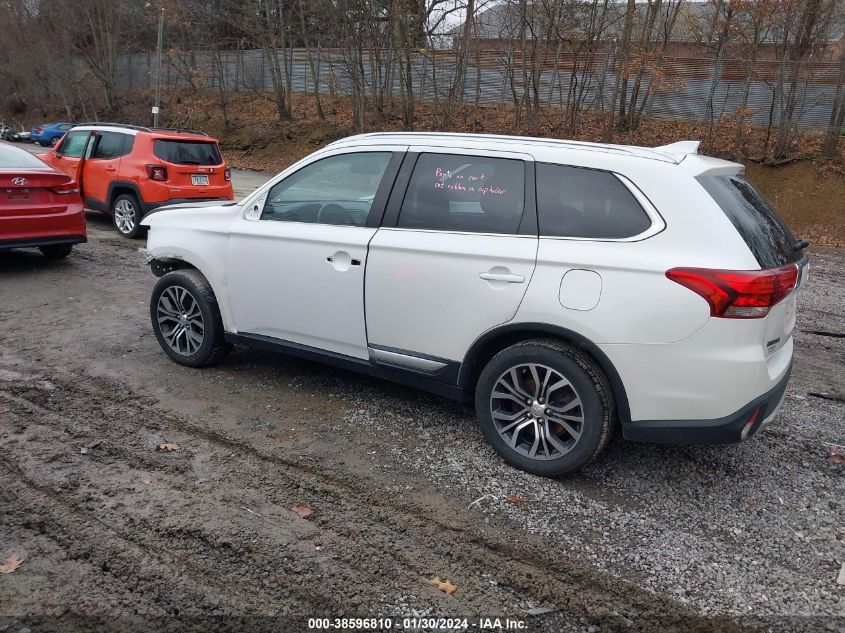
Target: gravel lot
(117,536)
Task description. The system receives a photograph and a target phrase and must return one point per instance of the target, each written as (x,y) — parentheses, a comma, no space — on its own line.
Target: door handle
(342,261)
(506,277)
(352,262)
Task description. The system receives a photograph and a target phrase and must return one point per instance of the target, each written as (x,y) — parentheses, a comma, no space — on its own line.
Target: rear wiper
(800,245)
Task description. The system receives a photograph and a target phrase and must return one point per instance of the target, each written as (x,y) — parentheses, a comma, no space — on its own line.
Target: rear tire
(554,410)
(186,319)
(56,251)
(126,215)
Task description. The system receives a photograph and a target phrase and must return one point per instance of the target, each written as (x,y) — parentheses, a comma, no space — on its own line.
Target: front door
(296,272)
(69,156)
(457,259)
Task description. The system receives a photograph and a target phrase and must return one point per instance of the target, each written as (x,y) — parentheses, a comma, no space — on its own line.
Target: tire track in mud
(362,548)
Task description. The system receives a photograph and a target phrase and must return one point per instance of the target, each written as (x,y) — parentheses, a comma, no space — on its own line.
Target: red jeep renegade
(127,171)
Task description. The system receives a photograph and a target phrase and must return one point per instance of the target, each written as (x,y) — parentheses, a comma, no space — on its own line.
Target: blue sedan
(50,133)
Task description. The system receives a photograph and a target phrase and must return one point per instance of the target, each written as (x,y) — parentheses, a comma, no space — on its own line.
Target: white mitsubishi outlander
(563,287)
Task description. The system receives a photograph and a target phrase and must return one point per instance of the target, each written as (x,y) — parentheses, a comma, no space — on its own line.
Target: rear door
(194,167)
(454,256)
(103,165)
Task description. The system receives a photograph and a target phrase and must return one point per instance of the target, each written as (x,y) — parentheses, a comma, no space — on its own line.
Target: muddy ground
(116,536)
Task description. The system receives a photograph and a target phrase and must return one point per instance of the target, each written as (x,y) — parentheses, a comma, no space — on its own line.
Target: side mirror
(253,212)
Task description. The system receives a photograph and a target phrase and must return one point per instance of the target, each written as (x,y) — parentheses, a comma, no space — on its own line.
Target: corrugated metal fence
(677,87)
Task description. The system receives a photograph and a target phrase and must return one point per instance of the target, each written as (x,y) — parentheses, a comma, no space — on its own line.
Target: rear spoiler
(679,150)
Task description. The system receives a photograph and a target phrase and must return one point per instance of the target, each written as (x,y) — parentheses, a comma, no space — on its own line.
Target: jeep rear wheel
(545,406)
(126,215)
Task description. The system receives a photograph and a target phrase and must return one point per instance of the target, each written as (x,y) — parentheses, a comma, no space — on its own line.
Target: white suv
(564,287)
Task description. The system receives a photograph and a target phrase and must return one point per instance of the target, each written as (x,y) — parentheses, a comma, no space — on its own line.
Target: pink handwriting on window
(445,175)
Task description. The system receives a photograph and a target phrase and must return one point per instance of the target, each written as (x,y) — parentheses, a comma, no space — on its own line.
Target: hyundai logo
(20,182)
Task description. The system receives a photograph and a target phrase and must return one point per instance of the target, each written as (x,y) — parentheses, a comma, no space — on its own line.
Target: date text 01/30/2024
(414,623)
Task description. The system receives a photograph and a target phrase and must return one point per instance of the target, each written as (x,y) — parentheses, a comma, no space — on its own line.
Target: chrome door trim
(405,360)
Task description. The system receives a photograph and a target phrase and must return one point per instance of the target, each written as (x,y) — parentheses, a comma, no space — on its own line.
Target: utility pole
(157,106)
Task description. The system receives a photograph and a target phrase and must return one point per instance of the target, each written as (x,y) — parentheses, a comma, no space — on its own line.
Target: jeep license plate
(199,179)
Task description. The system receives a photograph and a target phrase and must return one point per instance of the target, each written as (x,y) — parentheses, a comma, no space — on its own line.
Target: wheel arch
(120,187)
(493,341)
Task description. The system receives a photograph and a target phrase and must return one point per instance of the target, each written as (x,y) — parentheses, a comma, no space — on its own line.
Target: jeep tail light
(157,172)
(227,173)
(71,186)
(738,294)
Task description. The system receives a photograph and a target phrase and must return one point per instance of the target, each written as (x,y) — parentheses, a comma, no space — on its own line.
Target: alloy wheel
(537,411)
(180,320)
(124,216)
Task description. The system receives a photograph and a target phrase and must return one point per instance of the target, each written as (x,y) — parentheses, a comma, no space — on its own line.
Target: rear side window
(113,145)
(766,235)
(586,203)
(449,192)
(187,152)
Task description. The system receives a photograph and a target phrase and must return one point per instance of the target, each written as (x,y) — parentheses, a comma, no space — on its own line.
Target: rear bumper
(42,241)
(22,231)
(727,430)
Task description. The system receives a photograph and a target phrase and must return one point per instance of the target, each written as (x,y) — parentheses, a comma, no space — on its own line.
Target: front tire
(126,215)
(186,319)
(56,251)
(545,407)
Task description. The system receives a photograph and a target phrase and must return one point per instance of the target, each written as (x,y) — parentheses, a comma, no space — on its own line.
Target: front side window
(478,194)
(111,145)
(335,190)
(586,203)
(73,145)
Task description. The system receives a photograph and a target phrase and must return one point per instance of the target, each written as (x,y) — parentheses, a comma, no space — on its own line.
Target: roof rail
(140,128)
(178,130)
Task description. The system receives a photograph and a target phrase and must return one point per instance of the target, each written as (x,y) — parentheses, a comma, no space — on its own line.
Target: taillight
(738,294)
(37,130)
(157,172)
(66,188)
(227,174)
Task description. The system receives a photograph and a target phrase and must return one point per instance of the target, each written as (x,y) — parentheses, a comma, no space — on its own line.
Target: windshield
(187,152)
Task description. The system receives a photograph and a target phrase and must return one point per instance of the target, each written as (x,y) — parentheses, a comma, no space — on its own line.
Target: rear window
(187,152)
(754,218)
(586,203)
(16,158)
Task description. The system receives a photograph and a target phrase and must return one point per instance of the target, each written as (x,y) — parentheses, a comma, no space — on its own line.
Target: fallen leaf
(147,482)
(443,585)
(303,510)
(839,459)
(515,499)
(167,448)
(11,564)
